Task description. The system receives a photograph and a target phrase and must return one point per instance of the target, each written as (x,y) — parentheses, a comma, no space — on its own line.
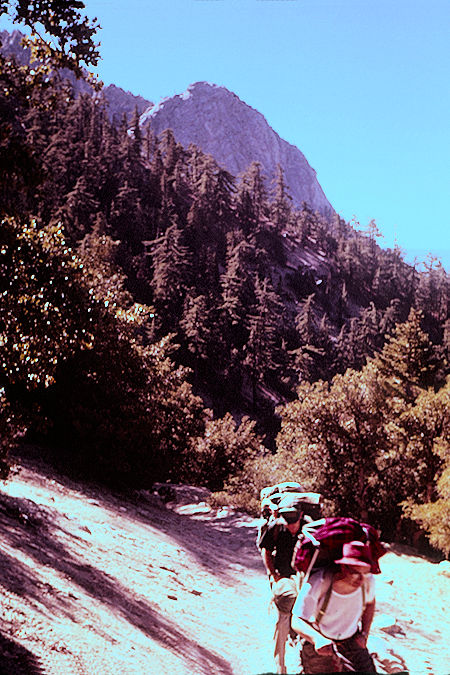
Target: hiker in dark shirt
(269,511)
(277,547)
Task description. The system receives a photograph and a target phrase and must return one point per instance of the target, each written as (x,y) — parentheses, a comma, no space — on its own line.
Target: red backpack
(321,543)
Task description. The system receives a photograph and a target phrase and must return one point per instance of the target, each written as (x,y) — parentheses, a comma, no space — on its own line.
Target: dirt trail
(93,583)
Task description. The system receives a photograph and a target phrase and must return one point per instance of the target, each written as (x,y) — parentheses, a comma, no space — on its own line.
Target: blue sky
(360,86)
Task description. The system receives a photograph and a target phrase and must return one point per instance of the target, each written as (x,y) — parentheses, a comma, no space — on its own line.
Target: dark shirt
(278,538)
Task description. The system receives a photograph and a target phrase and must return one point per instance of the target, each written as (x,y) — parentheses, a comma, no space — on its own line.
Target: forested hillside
(150,300)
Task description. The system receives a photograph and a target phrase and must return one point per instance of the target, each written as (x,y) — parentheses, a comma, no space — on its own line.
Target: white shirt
(343,612)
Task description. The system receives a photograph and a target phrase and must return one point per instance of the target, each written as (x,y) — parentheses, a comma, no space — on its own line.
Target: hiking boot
(293,637)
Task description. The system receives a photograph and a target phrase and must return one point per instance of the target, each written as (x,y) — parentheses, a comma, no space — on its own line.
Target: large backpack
(288,494)
(321,543)
(280,488)
(291,494)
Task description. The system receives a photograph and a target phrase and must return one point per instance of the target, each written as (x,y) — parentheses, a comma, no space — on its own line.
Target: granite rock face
(11,45)
(120,102)
(235,134)
(212,118)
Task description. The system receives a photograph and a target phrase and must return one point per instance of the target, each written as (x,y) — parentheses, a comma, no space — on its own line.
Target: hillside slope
(96,584)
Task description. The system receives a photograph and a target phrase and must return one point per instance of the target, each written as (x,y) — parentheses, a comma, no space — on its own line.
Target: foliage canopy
(135,272)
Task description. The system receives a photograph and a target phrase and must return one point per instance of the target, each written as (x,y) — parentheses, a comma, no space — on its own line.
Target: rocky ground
(93,583)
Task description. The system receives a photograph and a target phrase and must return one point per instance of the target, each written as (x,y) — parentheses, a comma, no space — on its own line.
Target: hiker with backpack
(277,542)
(269,511)
(334,611)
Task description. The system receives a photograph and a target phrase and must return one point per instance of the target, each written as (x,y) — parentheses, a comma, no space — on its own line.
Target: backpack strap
(326,600)
(324,605)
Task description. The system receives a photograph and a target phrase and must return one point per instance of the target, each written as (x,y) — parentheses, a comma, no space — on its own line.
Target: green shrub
(221,451)
(74,369)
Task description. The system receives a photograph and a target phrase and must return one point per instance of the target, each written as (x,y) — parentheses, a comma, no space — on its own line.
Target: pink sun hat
(356,553)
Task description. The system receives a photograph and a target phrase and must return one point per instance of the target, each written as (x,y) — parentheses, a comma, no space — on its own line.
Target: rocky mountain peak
(235,134)
(11,44)
(118,101)
(213,118)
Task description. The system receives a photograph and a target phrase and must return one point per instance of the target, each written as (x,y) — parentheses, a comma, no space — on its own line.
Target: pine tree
(391,317)
(171,274)
(305,223)
(310,351)
(195,328)
(109,167)
(79,210)
(237,282)
(264,323)
(433,291)
(327,345)
(150,144)
(281,206)
(251,205)
(211,213)
(127,218)
(350,347)
(306,322)
(370,330)
(19,166)
(408,360)
(137,142)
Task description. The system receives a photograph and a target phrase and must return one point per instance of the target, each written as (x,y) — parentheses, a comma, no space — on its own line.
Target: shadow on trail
(16,660)
(216,544)
(27,527)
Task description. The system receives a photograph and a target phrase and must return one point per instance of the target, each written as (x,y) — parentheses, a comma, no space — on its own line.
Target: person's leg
(284,593)
(280,637)
(313,662)
(355,657)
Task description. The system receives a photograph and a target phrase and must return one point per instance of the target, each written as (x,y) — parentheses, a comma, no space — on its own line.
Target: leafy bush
(75,367)
(243,489)
(432,416)
(221,451)
(368,439)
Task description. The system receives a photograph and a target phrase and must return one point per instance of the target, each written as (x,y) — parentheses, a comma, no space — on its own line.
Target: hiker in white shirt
(333,613)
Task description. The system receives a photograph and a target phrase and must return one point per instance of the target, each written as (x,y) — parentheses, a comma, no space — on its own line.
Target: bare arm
(311,634)
(269,563)
(366,619)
